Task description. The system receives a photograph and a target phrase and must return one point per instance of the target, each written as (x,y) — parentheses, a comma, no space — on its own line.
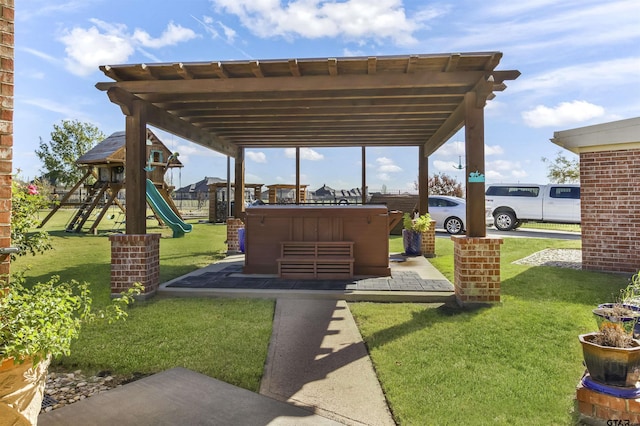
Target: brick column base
(135,258)
(602,407)
(428,246)
(476,269)
(233,244)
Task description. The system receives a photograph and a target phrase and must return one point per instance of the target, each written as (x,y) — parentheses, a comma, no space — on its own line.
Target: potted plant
(412,232)
(612,356)
(625,312)
(36,324)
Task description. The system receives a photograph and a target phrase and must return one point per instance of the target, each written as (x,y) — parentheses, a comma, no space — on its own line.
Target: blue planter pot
(412,242)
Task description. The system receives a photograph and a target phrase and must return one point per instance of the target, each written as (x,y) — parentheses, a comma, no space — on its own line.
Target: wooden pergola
(407,100)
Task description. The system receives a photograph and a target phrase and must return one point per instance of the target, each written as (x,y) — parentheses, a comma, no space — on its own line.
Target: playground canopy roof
(408,100)
(111,150)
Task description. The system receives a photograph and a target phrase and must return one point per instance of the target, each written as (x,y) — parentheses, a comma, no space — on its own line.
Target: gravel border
(562,258)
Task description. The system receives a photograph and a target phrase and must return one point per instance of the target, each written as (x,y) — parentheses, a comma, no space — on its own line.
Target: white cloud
(444,166)
(173,35)
(387,165)
(450,148)
(493,150)
(105,43)
(384,177)
(456,148)
(256,156)
(547,26)
(351,19)
(60,108)
(186,150)
(503,170)
(582,76)
(229,33)
(250,178)
(562,114)
(41,55)
(305,154)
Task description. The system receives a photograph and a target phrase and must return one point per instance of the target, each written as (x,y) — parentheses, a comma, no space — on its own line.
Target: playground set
(104,179)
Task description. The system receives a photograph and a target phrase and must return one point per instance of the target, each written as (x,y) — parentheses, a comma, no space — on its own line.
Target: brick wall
(135,258)
(233,225)
(610,194)
(596,405)
(476,269)
(7,12)
(428,246)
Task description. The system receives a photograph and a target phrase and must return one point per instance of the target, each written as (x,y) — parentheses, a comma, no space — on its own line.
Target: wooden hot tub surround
(312,242)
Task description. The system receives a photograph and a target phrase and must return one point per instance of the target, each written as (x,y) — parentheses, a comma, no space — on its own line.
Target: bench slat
(313,259)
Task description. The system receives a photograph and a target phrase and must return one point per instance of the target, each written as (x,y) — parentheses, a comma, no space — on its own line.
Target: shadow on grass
(423,319)
(540,283)
(537,284)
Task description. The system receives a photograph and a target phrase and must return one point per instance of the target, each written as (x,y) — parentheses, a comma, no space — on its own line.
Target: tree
(562,169)
(443,184)
(69,141)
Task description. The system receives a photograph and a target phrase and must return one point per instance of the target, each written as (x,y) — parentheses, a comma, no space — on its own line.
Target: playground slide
(162,209)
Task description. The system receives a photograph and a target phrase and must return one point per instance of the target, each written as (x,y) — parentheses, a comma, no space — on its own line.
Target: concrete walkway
(317,372)
(179,397)
(317,360)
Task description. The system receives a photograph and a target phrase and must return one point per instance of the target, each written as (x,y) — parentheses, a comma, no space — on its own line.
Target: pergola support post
(423,181)
(476,256)
(238,195)
(235,223)
(364,175)
(428,245)
(297,175)
(135,256)
(135,185)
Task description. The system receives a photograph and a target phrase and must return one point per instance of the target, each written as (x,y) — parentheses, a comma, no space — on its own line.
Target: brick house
(610,193)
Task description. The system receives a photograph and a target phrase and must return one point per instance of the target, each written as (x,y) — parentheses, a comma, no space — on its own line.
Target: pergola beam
(292,84)
(170,123)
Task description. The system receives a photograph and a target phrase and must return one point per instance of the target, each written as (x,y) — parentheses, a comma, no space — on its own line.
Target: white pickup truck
(513,204)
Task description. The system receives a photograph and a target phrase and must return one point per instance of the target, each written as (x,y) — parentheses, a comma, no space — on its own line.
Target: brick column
(135,258)
(602,407)
(476,269)
(428,247)
(233,244)
(7,13)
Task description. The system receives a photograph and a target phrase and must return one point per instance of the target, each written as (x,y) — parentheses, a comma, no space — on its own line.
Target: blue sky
(579,59)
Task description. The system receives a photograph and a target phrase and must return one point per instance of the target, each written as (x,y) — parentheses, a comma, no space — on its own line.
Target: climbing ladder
(94,196)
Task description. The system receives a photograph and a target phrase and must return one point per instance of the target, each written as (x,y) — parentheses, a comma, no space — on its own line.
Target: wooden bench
(316,260)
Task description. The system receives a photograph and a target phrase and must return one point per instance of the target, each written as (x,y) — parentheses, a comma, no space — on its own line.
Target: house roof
(622,134)
(200,186)
(405,100)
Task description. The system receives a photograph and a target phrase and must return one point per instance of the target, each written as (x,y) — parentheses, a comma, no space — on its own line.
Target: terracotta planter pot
(611,366)
(21,391)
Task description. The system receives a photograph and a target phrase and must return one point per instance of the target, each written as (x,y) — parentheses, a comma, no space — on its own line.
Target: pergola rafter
(410,100)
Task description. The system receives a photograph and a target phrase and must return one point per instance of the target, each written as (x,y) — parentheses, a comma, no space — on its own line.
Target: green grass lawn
(514,363)
(223,338)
